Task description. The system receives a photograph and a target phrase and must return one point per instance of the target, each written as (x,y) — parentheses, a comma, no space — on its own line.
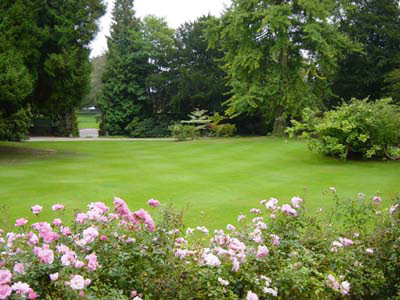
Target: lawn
(87,121)
(215,179)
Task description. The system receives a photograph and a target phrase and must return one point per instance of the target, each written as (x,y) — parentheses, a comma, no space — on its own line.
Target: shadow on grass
(18,155)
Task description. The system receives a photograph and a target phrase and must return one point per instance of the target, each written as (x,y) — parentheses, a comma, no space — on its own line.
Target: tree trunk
(279,123)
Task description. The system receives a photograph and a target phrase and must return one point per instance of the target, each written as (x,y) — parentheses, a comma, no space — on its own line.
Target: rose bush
(273,252)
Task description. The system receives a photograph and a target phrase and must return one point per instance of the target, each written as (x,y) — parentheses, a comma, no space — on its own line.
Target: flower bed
(273,252)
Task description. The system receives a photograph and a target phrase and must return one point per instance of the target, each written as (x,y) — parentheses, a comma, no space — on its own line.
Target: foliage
(279,55)
(197,79)
(375,24)
(275,252)
(184,132)
(392,85)
(149,127)
(368,129)
(45,55)
(124,95)
(15,127)
(225,130)
(198,118)
(96,84)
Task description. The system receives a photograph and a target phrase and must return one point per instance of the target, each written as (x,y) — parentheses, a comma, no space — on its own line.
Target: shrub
(147,128)
(15,127)
(360,128)
(275,252)
(224,130)
(184,132)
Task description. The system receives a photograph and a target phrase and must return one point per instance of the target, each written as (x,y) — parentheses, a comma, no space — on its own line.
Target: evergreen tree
(279,55)
(198,79)
(64,68)
(376,25)
(44,59)
(124,95)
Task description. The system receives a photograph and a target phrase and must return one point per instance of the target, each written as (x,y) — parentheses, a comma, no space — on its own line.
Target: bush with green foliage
(359,128)
(148,127)
(223,130)
(275,251)
(15,127)
(184,132)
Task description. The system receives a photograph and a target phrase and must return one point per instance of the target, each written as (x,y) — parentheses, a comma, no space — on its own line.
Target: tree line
(260,63)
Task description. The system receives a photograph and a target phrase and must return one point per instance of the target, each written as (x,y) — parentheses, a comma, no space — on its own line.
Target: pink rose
(54,276)
(5,291)
(19,268)
(153,202)
(251,296)
(57,222)
(77,282)
(5,276)
(20,222)
(57,207)
(262,251)
(36,209)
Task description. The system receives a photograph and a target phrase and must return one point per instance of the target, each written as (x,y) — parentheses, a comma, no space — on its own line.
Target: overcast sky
(176,13)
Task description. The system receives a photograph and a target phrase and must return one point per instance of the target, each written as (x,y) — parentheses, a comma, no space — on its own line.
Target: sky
(176,12)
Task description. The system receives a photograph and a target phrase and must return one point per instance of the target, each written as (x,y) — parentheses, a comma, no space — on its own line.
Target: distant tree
(160,39)
(96,84)
(279,55)
(124,95)
(392,85)
(199,81)
(376,25)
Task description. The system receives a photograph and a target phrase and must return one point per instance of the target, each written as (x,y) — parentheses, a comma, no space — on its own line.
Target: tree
(376,25)
(199,81)
(160,39)
(96,84)
(18,33)
(392,85)
(64,68)
(44,59)
(279,55)
(124,95)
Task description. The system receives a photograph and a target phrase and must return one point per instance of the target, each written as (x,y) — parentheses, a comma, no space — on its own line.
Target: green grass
(216,178)
(87,121)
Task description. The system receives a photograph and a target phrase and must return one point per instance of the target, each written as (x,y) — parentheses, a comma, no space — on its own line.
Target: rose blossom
(5,276)
(21,288)
(20,222)
(251,296)
(222,281)
(230,227)
(77,282)
(57,207)
(377,200)
(288,210)
(54,276)
(92,261)
(36,209)
(296,202)
(57,222)
(212,260)
(153,202)
(19,268)
(5,291)
(345,288)
(262,251)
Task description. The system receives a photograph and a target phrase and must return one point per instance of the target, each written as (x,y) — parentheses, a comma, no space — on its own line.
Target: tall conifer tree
(124,96)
